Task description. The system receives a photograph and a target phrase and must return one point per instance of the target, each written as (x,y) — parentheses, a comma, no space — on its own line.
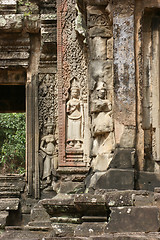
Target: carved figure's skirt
(74,129)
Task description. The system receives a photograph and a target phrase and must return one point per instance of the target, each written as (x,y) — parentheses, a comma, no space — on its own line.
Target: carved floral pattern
(74,60)
(47,104)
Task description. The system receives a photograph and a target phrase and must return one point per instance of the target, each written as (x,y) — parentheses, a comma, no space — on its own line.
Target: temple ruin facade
(87,74)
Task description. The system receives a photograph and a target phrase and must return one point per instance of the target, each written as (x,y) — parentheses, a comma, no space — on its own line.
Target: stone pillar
(99,23)
(72,87)
(124,74)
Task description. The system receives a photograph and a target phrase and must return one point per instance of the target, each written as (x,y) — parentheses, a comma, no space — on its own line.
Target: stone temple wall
(86,72)
(90,70)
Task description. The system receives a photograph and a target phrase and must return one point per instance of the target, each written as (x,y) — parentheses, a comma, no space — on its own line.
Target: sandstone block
(11,21)
(63,230)
(7,204)
(110,48)
(3,218)
(101,69)
(38,213)
(90,204)
(69,186)
(119,198)
(100,31)
(60,204)
(123,159)
(148,180)
(90,229)
(97,2)
(98,48)
(113,179)
(133,219)
(146,199)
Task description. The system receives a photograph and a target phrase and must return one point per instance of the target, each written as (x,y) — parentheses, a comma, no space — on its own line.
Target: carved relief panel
(72,86)
(47,122)
(102,128)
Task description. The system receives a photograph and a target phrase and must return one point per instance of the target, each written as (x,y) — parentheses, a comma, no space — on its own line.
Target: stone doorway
(12,91)
(12,100)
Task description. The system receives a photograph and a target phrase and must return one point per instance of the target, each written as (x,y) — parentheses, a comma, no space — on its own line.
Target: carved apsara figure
(74,118)
(47,147)
(102,126)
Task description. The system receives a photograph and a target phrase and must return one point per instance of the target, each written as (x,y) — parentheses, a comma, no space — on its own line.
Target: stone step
(7,204)
(11,182)
(117,236)
(3,219)
(133,219)
(11,186)
(9,194)
(19,234)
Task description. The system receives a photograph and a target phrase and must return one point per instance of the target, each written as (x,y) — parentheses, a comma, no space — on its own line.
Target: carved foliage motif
(73,57)
(46,94)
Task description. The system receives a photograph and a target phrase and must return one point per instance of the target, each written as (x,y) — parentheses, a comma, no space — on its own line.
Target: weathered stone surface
(12,21)
(63,230)
(98,48)
(8,6)
(100,69)
(128,236)
(143,199)
(25,219)
(148,180)
(7,204)
(16,22)
(123,159)
(97,2)
(71,187)
(119,198)
(110,48)
(33,8)
(38,213)
(113,179)
(100,31)
(133,219)
(3,218)
(67,219)
(90,204)
(62,203)
(90,229)
(32,24)
(124,73)
(27,204)
(22,234)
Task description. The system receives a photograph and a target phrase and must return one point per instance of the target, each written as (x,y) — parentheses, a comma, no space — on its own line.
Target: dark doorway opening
(12,98)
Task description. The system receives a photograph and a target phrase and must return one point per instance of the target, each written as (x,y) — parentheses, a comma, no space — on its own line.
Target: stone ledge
(133,219)
(7,204)
(18,22)
(97,2)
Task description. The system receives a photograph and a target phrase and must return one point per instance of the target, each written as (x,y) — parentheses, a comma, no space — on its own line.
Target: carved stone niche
(73,118)
(75,124)
(75,135)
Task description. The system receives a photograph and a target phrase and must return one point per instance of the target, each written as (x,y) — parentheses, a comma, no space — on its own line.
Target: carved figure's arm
(68,107)
(41,146)
(109,105)
(82,112)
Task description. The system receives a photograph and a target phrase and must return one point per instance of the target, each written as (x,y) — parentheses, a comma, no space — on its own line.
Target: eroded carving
(47,103)
(46,155)
(102,128)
